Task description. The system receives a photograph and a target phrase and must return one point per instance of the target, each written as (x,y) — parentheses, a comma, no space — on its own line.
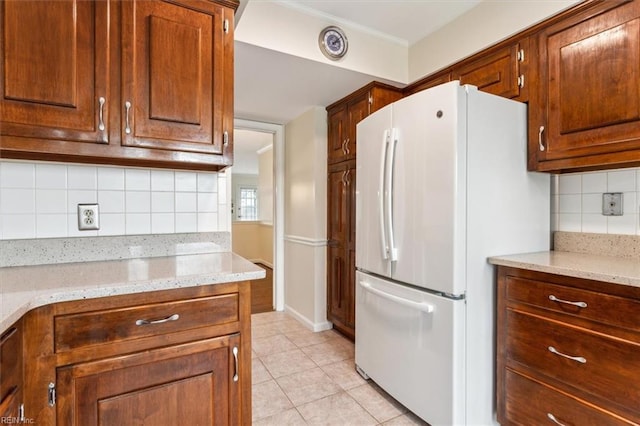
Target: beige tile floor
(306,378)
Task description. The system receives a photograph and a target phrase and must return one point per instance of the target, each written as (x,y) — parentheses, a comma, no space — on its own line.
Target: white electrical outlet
(88,217)
(612,204)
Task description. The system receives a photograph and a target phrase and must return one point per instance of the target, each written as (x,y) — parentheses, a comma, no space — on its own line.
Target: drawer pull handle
(127,109)
(579,359)
(578,304)
(553,419)
(235,363)
(173,317)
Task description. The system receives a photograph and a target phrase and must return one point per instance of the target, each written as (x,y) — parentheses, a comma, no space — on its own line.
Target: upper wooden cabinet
(146,83)
(55,72)
(500,72)
(585,111)
(346,113)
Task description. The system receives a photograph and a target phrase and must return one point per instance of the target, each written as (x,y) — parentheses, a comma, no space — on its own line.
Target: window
(248,206)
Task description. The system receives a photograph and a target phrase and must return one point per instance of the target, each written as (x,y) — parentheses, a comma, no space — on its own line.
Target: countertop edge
(25,301)
(615,270)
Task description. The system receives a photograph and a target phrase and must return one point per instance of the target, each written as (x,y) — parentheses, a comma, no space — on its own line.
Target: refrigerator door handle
(382,198)
(391,159)
(422,306)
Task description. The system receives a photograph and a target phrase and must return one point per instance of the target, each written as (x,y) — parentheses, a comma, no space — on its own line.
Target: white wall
(577,202)
(265,185)
(305,192)
(285,29)
(484,25)
(39,200)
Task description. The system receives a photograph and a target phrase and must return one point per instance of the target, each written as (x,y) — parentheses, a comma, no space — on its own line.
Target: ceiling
(275,87)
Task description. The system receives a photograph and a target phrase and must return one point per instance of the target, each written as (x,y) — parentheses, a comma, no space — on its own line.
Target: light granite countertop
(617,270)
(23,288)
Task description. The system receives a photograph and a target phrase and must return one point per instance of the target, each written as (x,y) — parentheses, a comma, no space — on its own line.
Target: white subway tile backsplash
(207,182)
(163,223)
(137,180)
(570,203)
(569,215)
(138,202)
(594,183)
(162,202)
(40,200)
(162,180)
(570,184)
(186,222)
(112,224)
(80,196)
(621,181)
(51,225)
(592,203)
(207,202)
(207,222)
(51,201)
(626,224)
(18,201)
(186,202)
(18,226)
(111,201)
(138,223)
(52,176)
(594,223)
(82,177)
(110,178)
(17,175)
(186,181)
(570,222)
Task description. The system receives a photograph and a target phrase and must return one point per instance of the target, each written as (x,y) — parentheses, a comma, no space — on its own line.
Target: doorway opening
(257,204)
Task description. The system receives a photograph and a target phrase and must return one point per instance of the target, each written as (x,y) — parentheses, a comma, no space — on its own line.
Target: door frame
(277,131)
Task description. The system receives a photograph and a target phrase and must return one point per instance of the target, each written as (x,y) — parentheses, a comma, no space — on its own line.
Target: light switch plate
(612,204)
(88,217)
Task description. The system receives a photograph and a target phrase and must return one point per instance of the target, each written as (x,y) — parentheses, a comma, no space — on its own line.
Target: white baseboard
(315,327)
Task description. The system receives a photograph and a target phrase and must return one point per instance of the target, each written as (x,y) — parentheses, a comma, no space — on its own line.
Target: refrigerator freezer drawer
(411,343)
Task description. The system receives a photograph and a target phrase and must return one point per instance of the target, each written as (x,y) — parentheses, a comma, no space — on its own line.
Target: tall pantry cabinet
(342,117)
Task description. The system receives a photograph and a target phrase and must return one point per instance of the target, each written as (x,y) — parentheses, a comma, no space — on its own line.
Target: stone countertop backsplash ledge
(91,249)
(602,257)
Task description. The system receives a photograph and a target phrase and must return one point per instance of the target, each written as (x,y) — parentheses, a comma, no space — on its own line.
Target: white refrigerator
(442,185)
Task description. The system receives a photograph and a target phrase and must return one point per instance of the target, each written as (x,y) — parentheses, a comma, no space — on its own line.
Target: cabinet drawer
(529,402)
(606,367)
(120,324)
(11,362)
(611,310)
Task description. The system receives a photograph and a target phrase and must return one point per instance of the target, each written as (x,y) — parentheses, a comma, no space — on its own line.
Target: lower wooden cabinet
(182,384)
(11,375)
(159,358)
(568,350)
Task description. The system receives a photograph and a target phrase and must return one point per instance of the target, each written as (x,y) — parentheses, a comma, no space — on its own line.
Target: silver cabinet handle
(344,178)
(225,138)
(540,131)
(553,419)
(346,146)
(101,103)
(567,302)
(579,359)
(235,363)
(173,317)
(127,108)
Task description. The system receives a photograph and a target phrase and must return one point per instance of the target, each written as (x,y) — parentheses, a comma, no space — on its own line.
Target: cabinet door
(55,65)
(337,133)
(496,72)
(11,380)
(358,109)
(586,112)
(187,384)
(338,203)
(177,70)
